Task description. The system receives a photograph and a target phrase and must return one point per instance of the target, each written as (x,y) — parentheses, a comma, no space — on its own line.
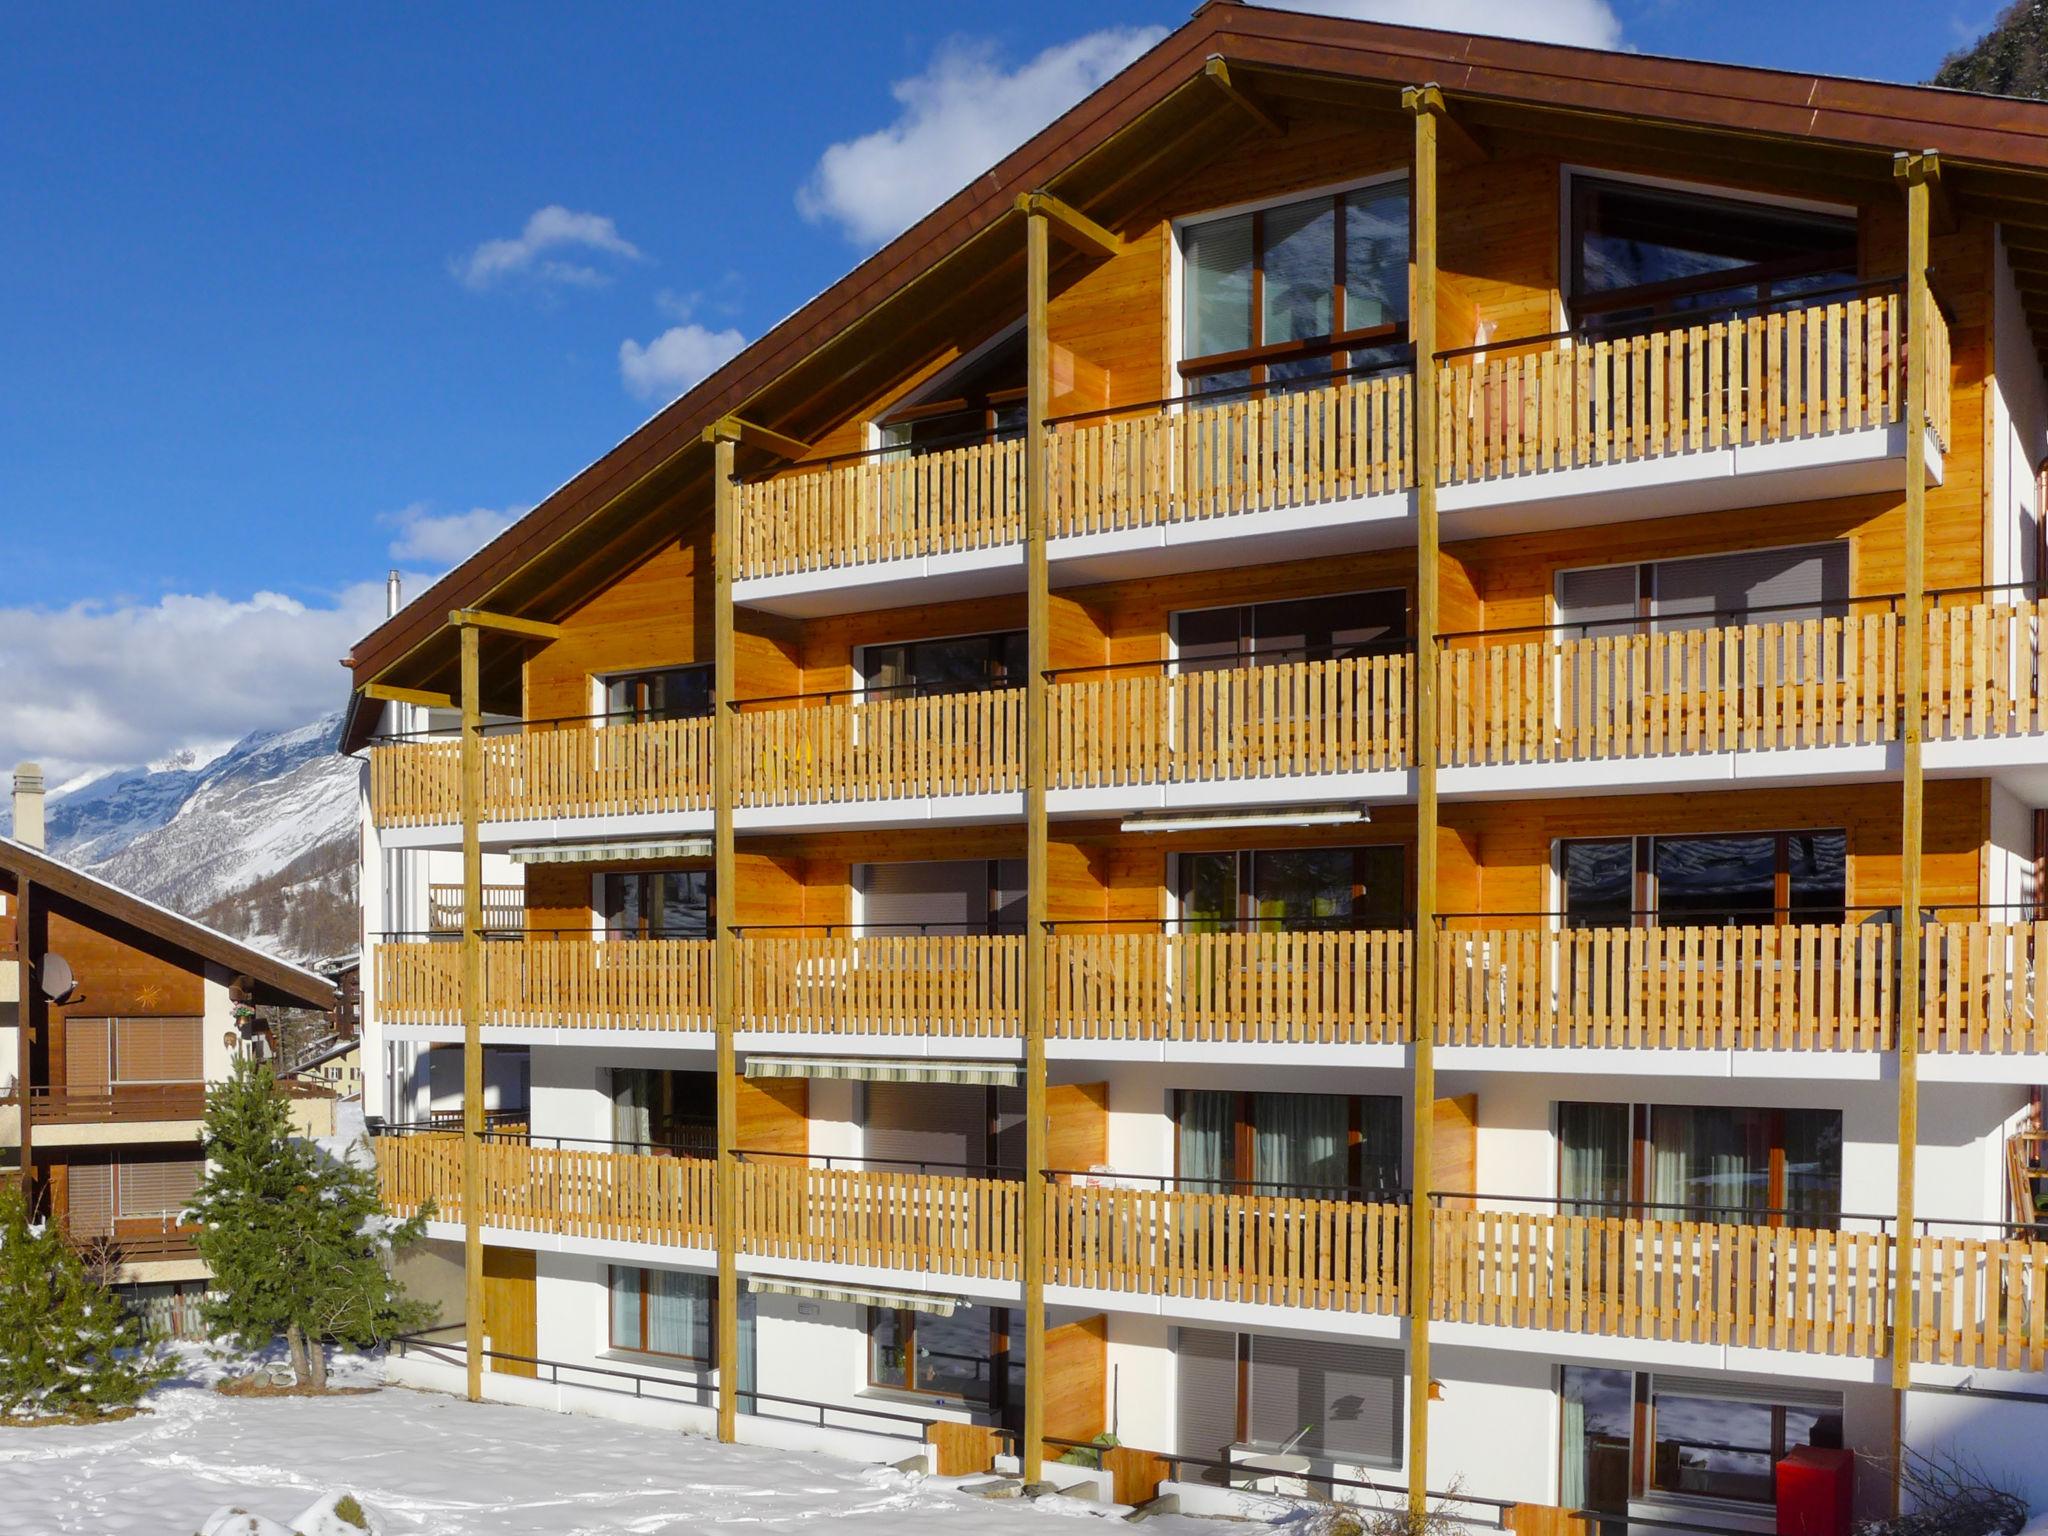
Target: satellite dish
(57,978)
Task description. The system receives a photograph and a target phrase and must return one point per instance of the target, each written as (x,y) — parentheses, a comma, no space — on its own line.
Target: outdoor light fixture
(1217,821)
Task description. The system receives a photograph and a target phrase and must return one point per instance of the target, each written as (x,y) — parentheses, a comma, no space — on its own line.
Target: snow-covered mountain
(258,841)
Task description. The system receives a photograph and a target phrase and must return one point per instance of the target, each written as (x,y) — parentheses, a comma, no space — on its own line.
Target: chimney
(28,804)
(392,602)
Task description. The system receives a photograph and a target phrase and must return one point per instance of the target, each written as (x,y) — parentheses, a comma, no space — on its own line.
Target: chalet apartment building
(115,1014)
(1343,776)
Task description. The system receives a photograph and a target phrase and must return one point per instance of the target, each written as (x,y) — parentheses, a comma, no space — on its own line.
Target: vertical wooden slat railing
(960,986)
(1809,1290)
(504,907)
(951,1224)
(1799,986)
(842,748)
(1834,366)
(1272,1250)
(1979,1302)
(1195,461)
(553,983)
(1310,988)
(1348,715)
(1987,986)
(588,1192)
(1984,674)
(572,769)
(1825,682)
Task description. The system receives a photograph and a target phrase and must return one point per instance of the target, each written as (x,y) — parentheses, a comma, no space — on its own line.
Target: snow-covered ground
(423,1463)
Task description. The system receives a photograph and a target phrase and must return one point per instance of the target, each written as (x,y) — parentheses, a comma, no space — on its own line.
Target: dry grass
(256,1386)
(72,1420)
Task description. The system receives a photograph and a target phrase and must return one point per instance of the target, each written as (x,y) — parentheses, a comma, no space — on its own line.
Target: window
(941,896)
(1597,1438)
(1318,1145)
(950,1127)
(1337,1402)
(658,1111)
(959,664)
(980,401)
(671,693)
(1296,291)
(1679,1162)
(1736,878)
(1289,889)
(1639,253)
(1809,581)
(657,904)
(964,1357)
(156,1188)
(663,1312)
(1303,629)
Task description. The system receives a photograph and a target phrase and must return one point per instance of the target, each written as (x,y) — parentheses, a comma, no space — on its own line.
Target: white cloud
(537,252)
(679,357)
(958,118)
(102,685)
(440,540)
(1586,23)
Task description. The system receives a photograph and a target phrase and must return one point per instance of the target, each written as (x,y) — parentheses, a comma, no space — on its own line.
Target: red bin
(1816,1492)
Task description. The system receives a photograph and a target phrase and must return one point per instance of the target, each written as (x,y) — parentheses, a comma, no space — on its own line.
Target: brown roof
(284,982)
(1998,133)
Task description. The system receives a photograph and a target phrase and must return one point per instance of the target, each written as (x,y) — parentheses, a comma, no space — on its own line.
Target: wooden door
(510,1322)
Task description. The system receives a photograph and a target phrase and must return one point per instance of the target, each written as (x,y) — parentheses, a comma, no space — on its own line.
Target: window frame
(1402,644)
(708,1363)
(641,714)
(599,904)
(1646,571)
(1001,1342)
(1244,1142)
(1247,920)
(1642,1150)
(992,889)
(1256,359)
(1644,911)
(936,398)
(863,666)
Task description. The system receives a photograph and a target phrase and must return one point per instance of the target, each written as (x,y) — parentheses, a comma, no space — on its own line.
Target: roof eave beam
(1217,72)
(425,698)
(1457,137)
(734,429)
(504,624)
(1074,226)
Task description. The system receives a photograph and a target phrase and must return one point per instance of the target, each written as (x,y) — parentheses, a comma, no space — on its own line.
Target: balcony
(542,771)
(954,1224)
(1238,1246)
(1254,988)
(899,756)
(504,907)
(557,983)
(103,1104)
(1304,728)
(906,986)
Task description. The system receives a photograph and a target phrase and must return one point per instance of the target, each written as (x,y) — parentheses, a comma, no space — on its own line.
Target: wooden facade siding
(570,1191)
(552,983)
(1777,377)
(1330,1255)
(1241,988)
(1196,462)
(946,1224)
(543,771)
(961,986)
(1296,718)
(841,748)
(881,507)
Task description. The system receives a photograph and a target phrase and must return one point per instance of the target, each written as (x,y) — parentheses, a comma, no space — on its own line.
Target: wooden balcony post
(1917,172)
(26,1010)
(1038,606)
(1426,105)
(725,950)
(472,1006)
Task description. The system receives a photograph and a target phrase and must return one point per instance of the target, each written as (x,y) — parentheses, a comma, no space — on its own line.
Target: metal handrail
(1282,386)
(1215,1186)
(1346,924)
(916,690)
(1007,1172)
(1438,1196)
(1721,618)
(1350,651)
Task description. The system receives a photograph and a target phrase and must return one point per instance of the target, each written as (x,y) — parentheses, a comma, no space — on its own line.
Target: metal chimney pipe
(28,804)
(392,601)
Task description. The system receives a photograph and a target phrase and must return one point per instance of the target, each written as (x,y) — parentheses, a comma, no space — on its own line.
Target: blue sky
(293,293)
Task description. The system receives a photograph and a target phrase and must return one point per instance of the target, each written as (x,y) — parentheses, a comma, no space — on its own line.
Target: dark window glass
(955,665)
(1599,1429)
(1715,879)
(1599,881)
(1721,1448)
(663,1111)
(1300,629)
(662,1312)
(1293,889)
(1315,1145)
(979,402)
(1818,874)
(954,1357)
(673,693)
(658,904)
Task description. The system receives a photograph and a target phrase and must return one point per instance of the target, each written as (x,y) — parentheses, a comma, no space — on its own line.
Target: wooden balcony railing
(1319,988)
(110,1104)
(949,1224)
(504,907)
(840,747)
(1347,715)
(570,1191)
(552,983)
(546,769)
(961,986)
(1759,378)
(878,507)
(1196,461)
(1804,986)
(138,1241)
(1985,677)
(1332,1255)
(1986,987)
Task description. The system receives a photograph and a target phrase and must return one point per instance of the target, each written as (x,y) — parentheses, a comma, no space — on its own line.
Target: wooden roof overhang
(961,265)
(273,981)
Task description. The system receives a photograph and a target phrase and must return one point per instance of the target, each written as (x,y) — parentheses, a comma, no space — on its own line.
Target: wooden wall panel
(1106,327)
(1077,1381)
(1498,252)
(511,1318)
(657,614)
(773,1115)
(1077,1126)
(826,646)
(1454,1147)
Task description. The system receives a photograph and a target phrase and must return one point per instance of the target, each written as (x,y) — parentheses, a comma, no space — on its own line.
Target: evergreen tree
(2009,60)
(296,1239)
(67,1347)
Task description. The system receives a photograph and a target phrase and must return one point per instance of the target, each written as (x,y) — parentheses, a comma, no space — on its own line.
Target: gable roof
(288,984)
(2004,139)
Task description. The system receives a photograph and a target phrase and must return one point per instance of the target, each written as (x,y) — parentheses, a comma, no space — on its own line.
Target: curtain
(1593,1158)
(1572,1446)
(1380,1146)
(1207,1125)
(1300,1140)
(1708,1164)
(625,1290)
(633,1090)
(679,1314)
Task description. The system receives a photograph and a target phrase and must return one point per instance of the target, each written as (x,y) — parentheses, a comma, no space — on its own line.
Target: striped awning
(611,853)
(858,1295)
(876,1069)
